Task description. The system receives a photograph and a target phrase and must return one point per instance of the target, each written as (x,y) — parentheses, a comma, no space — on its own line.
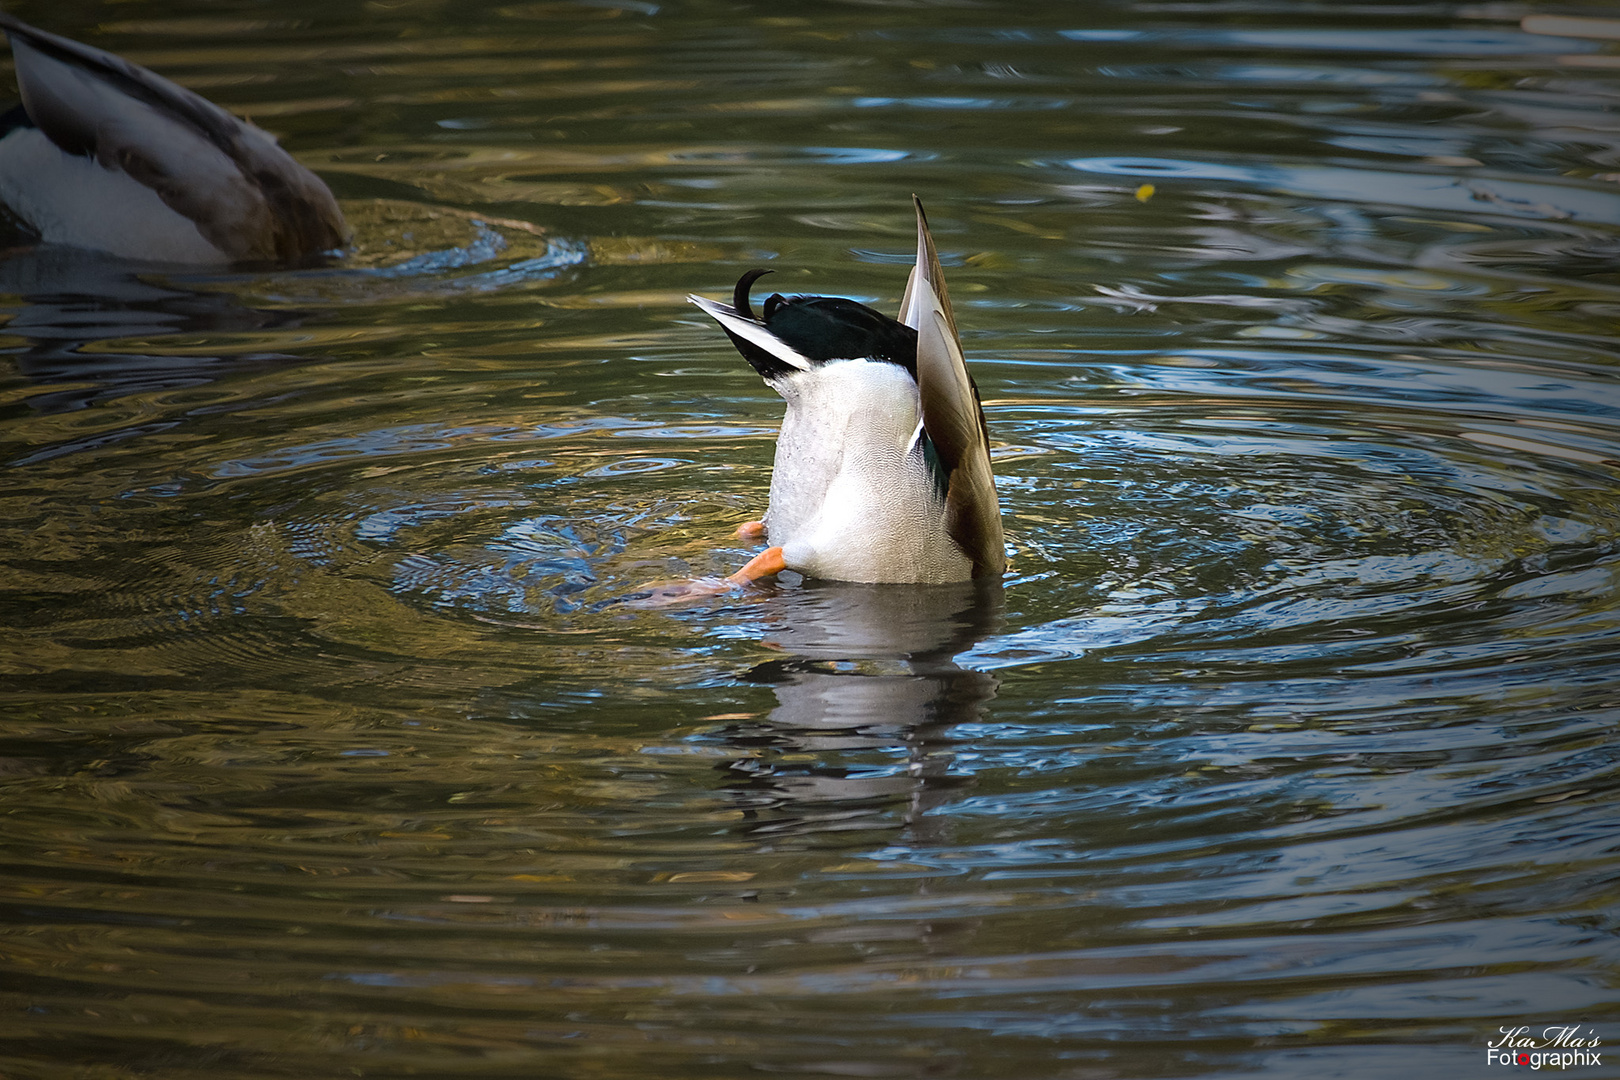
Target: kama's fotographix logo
(1557,1046)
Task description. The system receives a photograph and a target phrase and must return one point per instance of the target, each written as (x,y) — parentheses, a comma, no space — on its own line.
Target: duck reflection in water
(868,690)
(71,299)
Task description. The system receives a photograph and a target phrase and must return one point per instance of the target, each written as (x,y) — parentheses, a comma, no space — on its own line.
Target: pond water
(331,747)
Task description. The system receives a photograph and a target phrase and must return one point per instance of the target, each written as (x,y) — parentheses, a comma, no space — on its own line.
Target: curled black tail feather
(739,295)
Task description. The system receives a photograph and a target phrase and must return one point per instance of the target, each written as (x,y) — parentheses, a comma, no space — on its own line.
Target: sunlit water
(1288,748)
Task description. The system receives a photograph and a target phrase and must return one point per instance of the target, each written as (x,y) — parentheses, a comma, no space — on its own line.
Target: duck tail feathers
(769,355)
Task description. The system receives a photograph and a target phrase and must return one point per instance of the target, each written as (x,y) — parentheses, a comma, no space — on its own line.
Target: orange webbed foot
(751,530)
(764,564)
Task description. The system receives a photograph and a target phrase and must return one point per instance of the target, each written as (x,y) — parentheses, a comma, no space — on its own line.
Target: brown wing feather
(247,196)
(952,414)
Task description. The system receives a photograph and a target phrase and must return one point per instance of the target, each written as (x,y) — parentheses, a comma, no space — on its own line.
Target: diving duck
(882,469)
(104,154)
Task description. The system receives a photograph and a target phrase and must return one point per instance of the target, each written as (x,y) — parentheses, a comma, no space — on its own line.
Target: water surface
(1287,748)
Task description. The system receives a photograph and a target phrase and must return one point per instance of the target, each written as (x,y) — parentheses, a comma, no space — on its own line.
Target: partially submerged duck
(882,467)
(104,154)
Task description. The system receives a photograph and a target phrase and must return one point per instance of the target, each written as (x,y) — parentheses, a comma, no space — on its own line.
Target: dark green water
(1288,749)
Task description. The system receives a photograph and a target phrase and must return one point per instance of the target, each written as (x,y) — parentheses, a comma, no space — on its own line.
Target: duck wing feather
(245,194)
(952,416)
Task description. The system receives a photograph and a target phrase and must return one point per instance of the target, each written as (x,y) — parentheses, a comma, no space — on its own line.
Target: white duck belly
(75,200)
(852,498)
